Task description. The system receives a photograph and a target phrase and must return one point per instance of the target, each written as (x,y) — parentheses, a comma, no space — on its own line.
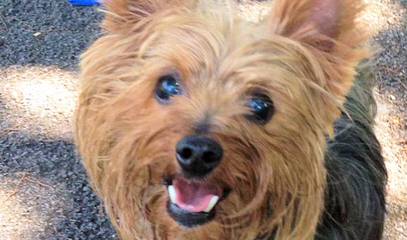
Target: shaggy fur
(308,173)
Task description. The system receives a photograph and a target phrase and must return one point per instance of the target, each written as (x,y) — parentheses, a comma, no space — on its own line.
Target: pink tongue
(192,196)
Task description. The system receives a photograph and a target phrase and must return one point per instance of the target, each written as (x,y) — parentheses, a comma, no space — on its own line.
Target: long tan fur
(276,171)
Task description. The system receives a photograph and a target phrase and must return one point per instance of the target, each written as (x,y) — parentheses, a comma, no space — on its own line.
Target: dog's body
(355,203)
(195,124)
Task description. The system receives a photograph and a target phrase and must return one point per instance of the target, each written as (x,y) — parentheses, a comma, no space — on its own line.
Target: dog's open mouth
(193,203)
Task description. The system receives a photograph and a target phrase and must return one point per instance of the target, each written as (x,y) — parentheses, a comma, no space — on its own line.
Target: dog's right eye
(261,108)
(167,87)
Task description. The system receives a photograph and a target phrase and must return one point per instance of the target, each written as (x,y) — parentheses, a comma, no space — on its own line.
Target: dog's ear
(122,15)
(331,30)
(319,22)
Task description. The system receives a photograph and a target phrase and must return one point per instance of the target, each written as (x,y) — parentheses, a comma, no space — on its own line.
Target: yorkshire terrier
(194,123)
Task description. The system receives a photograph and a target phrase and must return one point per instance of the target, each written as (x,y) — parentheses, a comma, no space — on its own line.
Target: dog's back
(356,173)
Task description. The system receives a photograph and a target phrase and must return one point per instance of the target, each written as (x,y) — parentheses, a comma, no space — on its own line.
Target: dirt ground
(44,193)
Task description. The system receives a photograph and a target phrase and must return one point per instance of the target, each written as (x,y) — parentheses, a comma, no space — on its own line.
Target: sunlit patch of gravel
(27,204)
(388,22)
(40,99)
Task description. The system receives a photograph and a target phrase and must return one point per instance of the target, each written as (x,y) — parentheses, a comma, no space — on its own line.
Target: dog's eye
(261,107)
(167,87)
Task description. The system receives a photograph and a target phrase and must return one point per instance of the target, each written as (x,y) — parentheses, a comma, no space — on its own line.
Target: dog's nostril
(186,153)
(209,157)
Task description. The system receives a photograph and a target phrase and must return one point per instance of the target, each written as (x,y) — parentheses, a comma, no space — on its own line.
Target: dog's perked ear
(123,15)
(311,20)
(331,30)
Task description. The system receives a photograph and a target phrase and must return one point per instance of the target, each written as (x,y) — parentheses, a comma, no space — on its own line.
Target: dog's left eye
(167,87)
(261,107)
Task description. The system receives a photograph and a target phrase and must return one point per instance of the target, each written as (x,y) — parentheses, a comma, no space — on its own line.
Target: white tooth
(172,193)
(212,203)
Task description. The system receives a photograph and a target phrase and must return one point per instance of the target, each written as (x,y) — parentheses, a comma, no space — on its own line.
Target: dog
(194,123)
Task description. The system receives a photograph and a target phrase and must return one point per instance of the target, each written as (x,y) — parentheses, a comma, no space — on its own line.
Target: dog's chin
(193,203)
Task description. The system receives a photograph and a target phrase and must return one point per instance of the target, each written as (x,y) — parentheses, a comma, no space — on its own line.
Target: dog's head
(191,117)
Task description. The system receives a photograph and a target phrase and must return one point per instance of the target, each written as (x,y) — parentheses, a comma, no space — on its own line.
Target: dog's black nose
(198,155)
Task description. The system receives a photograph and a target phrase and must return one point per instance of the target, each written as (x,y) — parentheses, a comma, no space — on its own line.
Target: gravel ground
(43,189)
(44,193)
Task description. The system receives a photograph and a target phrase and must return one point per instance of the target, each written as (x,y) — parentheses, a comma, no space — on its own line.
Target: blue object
(85,2)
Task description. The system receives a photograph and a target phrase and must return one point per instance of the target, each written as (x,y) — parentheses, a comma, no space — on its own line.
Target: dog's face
(190,117)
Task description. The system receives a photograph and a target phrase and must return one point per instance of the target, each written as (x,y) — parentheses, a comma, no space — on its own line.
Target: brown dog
(195,124)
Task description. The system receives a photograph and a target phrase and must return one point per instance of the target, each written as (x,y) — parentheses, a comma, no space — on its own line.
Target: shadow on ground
(45,32)
(43,186)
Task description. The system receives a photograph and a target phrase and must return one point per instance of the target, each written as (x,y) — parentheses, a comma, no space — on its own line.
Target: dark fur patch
(355,198)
